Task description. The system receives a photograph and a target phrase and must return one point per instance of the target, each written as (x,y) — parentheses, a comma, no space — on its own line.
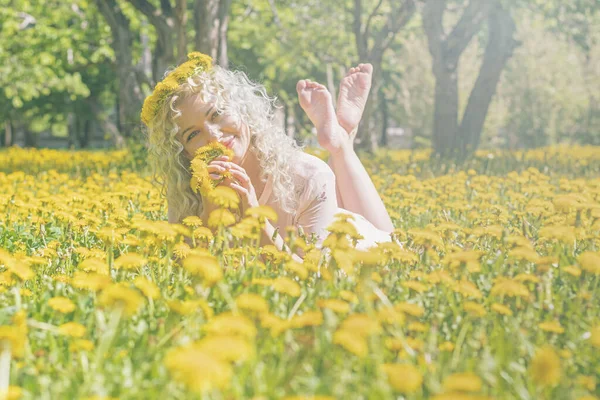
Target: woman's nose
(214,133)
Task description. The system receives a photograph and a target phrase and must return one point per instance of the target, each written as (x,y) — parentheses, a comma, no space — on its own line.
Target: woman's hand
(240,182)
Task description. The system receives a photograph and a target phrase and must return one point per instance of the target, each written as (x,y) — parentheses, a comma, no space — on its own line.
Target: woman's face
(200,124)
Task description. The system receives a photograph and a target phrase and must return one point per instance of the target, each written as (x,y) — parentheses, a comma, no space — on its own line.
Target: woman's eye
(215,115)
(191,135)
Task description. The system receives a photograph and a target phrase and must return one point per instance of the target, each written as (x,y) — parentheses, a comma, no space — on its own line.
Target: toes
(367,68)
(301,85)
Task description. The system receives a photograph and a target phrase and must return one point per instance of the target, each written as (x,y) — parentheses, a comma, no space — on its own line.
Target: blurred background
(450,75)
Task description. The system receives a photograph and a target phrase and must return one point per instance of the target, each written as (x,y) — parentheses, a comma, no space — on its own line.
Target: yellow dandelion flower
(404,378)
(417,327)
(510,288)
(94,265)
(309,318)
(119,296)
(524,254)
(231,324)
(12,336)
(501,309)
(81,345)
(20,270)
(92,281)
(411,309)
(297,268)
(474,309)
(416,286)
(252,302)
(590,262)
(588,382)
(545,369)
(572,270)
(551,326)
(13,393)
(226,348)
(61,304)
(147,287)
(463,382)
(221,217)
(349,296)
(389,315)
(130,261)
(185,307)
(193,221)
(446,346)
(467,289)
(207,267)
(361,324)
(72,329)
(274,323)
(352,342)
(225,197)
(286,285)
(199,371)
(336,305)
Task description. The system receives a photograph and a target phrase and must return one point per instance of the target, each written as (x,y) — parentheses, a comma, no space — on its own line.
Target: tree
(53,60)
(129,92)
(211,23)
(451,137)
(372,41)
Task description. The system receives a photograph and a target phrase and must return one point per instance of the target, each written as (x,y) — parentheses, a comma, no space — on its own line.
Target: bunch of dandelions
(201,181)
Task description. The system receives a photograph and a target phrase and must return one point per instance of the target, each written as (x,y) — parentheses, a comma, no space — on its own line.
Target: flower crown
(196,62)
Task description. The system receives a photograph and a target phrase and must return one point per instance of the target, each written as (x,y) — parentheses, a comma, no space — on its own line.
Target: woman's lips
(228,142)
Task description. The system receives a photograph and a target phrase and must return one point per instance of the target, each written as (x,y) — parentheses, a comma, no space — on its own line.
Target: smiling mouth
(228,142)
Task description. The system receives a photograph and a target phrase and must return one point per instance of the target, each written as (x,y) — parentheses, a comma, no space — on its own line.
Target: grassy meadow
(491,289)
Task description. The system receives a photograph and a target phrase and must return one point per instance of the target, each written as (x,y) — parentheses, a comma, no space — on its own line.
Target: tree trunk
(30,138)
(130,96)
(446,50)
(224,8)
(383,103)
(211,22)
(371,46)
(181,13)
(106,125)
(445,111)
(498,51)
(367,129)
(8,133)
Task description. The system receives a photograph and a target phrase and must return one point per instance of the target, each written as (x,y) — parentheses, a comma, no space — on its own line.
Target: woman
(198,103)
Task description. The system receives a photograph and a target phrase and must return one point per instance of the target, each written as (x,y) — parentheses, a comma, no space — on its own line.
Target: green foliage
(54,55)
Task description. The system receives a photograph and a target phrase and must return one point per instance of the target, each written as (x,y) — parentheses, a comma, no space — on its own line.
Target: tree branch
(433,14)
(359,37)
(156,16)
(403,17)
(469,24)
(396,20)
(370,18)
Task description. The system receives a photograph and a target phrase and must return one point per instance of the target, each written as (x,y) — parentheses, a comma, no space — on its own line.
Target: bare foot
(354,91)
(316,102)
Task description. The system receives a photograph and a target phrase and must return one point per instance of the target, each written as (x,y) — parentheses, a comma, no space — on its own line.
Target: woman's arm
(319,202)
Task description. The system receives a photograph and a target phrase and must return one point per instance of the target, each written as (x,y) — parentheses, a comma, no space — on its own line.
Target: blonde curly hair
(232,92)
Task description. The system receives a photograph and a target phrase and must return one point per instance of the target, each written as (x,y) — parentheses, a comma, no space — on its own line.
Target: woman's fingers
(242,178)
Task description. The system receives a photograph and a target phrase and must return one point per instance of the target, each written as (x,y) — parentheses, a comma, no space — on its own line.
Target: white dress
(318,204)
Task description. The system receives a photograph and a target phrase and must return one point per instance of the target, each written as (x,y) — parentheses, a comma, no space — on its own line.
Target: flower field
(491,289)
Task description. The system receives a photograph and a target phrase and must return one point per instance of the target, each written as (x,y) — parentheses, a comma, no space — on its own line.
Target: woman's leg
(356,191)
